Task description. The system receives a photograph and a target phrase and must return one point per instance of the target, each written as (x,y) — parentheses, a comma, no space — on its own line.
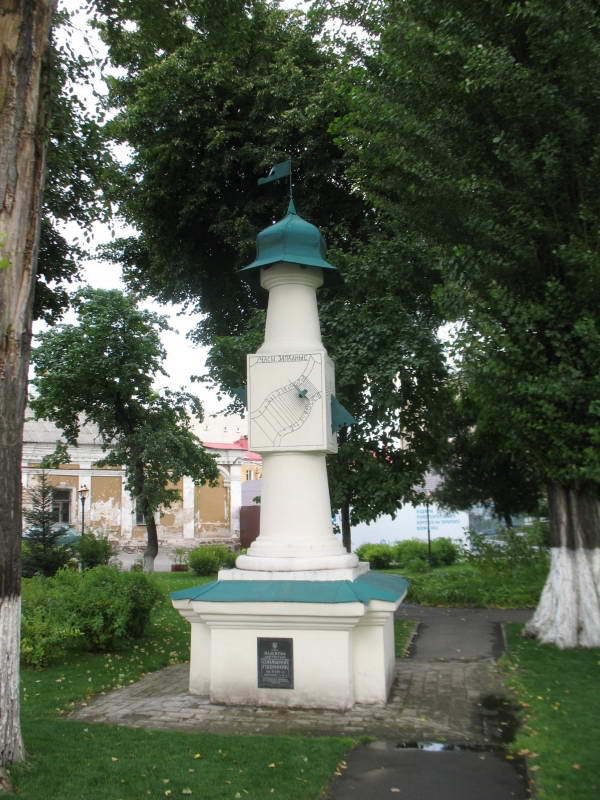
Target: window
(140,519)
(61,505)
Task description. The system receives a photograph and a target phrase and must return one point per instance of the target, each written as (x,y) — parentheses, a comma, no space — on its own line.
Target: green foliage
(410,550)
(93,550)
(507,572)
(113,605)
(49,626)
(379,556)
(444,551)
(464,585)
(139,761)
(43,553)
(498,190)
(93,610)
(102,370)
(210,558)
(192,99)
(77,160)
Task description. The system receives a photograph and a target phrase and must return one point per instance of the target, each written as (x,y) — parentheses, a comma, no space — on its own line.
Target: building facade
(204,514)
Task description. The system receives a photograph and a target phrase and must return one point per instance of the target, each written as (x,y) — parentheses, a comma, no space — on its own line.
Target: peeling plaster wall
(105,511)
(211,506)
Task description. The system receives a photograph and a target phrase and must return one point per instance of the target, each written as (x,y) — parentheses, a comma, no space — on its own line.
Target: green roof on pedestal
(294,240)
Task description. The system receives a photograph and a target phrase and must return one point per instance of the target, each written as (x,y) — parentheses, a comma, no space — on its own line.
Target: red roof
(241,444)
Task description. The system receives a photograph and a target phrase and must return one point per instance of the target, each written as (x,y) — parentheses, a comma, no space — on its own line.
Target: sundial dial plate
(289,401)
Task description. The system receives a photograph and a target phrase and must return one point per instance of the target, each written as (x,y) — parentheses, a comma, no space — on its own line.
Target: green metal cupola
(293,240)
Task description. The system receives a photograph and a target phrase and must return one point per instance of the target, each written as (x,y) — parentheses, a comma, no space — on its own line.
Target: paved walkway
(436,695)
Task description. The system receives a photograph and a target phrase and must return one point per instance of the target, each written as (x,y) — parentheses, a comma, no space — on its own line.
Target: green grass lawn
(560,694)
(466,585)
(84,761)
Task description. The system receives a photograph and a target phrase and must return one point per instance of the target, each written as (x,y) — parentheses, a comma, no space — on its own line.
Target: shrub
(48,625)
(409,550)
(93,551)
(210,558)
(379,556)
(114,605)
(444,551)
(415,566)
(92,610)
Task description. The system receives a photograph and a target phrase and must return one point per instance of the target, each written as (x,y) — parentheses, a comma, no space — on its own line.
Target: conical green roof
(292,239)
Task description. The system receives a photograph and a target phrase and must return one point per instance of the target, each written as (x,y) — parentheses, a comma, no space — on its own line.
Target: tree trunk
(24,34)
(152,541)
(346,529)
(568,614)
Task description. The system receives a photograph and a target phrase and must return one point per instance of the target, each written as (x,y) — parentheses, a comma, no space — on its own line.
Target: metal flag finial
(277,172)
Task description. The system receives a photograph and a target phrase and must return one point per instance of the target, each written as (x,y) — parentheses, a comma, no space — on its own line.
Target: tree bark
(152,542)
(24,36)
(568,614)
(346,529)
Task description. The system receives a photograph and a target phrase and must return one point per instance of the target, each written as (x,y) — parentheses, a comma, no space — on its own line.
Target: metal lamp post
(427,499)
(83,493)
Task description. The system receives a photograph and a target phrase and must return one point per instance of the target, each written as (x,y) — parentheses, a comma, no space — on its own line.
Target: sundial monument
(298,621)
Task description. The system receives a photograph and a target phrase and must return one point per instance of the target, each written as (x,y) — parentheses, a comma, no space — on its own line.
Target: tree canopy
(206,114)
(102,370)
(475,128)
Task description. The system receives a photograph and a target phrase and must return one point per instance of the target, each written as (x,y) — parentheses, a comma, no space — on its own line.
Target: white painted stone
(235,496)
(343,652)
(348,574)
(188,496)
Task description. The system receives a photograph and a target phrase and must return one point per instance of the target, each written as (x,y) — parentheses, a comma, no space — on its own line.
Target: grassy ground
(560,735)
(466,585)
(71,760)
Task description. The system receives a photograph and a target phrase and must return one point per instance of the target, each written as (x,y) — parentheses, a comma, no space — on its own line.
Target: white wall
(411,523)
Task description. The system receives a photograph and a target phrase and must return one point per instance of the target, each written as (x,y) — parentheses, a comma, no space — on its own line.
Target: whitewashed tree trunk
(568,614)
(24,35)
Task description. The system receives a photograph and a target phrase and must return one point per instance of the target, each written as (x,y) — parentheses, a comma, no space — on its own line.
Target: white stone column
(235,497)
(295,530)
(189,511)
(127,510)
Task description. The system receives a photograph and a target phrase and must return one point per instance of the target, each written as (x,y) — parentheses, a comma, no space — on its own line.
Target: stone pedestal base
(307,644)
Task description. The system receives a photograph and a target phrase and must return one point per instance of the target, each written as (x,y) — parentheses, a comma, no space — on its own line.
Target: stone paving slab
(429,701)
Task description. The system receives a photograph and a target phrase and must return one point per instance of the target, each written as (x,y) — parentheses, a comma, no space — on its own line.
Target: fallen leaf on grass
(187,790)
(197,755)
(271,766)
(394,789)
(576,766)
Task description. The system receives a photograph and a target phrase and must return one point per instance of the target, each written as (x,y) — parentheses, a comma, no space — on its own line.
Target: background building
(204,514)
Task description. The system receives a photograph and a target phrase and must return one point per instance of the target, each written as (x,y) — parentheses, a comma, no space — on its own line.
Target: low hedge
(210,558)
(92,610)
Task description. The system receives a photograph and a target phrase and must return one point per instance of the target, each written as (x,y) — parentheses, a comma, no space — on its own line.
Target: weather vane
(278,172)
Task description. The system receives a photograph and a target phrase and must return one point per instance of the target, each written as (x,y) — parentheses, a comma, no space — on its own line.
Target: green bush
(415,566)
(92,610)
(114,605)
(93,551)
(379,556)
(409,550)
(210,558)
(48,622)
(444,552)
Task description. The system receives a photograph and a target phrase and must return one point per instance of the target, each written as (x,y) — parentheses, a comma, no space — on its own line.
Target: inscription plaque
(275,663)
